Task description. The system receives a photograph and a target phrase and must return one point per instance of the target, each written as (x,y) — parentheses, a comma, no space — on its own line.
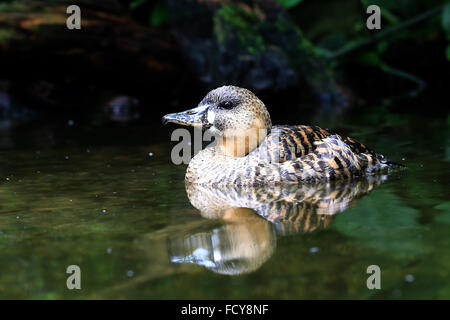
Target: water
(108,199)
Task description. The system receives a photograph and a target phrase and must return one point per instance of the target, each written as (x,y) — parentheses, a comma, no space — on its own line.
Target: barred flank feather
(290,154)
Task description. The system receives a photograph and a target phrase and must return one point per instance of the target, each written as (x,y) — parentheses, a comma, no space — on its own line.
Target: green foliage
(159,14)
(231,22)
(373,57)
(446,18)
(11,6)
(5,34)
(289,3)
(400,7)
(446,26)
(370,58)
(137,3)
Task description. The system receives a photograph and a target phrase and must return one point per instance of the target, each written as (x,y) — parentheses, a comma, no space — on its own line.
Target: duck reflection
(251,219)
(241,245)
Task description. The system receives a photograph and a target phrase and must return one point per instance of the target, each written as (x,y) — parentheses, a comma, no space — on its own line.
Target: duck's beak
(197,117)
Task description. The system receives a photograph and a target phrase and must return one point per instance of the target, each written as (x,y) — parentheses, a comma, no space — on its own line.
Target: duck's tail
(386,163)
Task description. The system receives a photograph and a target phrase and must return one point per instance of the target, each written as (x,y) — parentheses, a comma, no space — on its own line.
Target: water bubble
(150,154)
(313,249)
(409,278)
(104,210)
(70,122)
(109,250)
(38,171)
(66,157)
(130,273)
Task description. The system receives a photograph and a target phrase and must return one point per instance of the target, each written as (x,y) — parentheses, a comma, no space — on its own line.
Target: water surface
(109,200)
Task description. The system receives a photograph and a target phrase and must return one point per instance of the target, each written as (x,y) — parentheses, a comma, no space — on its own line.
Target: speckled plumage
(283,154)
(299,154)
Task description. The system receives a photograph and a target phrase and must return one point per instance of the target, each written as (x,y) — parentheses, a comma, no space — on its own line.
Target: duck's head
(234,114)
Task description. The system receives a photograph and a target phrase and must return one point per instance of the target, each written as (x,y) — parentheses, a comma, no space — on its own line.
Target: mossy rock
(253,44)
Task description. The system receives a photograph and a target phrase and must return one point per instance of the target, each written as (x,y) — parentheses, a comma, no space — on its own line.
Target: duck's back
(310,153)
(292,142)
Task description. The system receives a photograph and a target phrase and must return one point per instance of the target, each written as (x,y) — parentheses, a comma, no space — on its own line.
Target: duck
(253,218)
(289,208)
(248,151)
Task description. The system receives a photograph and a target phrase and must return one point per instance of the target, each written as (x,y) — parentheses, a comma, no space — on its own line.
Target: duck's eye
(226,105)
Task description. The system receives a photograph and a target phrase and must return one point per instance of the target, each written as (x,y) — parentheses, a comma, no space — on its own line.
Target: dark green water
(88,197)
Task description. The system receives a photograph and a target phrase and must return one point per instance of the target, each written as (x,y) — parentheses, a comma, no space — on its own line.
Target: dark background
(134,61)
(86,175)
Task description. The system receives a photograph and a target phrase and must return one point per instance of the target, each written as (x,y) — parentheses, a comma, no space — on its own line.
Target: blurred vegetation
(446,26)
(273,47)
(393,14)
(337,31)
(158,14)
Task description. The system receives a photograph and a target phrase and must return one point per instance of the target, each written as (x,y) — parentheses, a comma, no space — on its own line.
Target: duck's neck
(241,142)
